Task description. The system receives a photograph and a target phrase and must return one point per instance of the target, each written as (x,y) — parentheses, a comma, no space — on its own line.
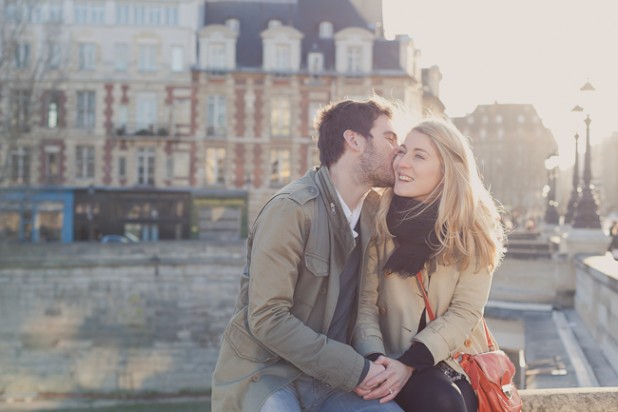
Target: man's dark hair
(336,118)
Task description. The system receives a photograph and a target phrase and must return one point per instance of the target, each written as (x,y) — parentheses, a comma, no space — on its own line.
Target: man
(286,347)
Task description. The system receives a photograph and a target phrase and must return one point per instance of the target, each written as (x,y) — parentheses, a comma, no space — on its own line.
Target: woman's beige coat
(391,308)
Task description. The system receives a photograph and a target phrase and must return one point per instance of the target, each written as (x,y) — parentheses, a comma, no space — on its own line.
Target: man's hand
(373,375)
(387,385)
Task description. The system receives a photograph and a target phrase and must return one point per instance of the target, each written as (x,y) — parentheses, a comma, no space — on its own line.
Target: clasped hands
(384,380)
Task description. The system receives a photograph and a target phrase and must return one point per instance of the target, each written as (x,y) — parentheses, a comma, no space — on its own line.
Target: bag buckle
(507,390)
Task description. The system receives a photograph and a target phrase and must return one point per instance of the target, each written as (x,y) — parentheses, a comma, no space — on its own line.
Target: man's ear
(355,141)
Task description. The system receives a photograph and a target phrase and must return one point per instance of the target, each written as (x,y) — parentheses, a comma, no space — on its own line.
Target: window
(146,166)
(52,107)
(122,167)
(122,119)
(87,56)
(55,11)
(280,116)
(355,59)
(171,16)
(84,162)
(139,14)
(146,112)
(279,166)
(121,52)
(312,111)
(282,57)
(169,167)
(153,15)
(122,13)
(20,105)
(53,55)
(49,221)
(20,166)
(216,55)
(147,58)
(89,12)
(51,169)
(22,55)
(85,109)
(177,58)
(315,62)
(216,120)
(326,30)
(215,166)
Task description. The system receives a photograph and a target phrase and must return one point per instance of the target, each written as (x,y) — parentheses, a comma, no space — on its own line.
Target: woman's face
(418,170)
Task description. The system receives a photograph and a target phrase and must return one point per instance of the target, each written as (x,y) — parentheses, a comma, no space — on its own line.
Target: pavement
(523,313)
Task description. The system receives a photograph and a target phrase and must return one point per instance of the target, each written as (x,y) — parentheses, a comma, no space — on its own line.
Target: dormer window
(217,55)
(274,23)
(217,47)
(354,51)
(326,30)
(355,59)
(281,51)
(233,24)
(315,62)
(283,57)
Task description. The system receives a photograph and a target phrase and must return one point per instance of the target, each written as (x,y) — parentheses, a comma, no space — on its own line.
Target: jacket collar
(335,212)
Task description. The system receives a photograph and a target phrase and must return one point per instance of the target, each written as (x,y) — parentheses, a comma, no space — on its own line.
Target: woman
(441,223)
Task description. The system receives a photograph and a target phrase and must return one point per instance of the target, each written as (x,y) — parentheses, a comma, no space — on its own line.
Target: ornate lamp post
(586,213)
(552,217)
(575,192)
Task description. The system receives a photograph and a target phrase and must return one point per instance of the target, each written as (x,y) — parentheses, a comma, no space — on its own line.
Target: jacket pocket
(316,264)
(245,345)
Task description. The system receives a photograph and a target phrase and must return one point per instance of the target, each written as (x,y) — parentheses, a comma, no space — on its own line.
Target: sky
(537,52)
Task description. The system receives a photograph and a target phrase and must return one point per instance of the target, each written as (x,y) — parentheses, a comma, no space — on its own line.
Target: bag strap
(419,282)
(432,316)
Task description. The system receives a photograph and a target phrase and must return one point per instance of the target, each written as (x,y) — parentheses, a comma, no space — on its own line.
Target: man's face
(377,160)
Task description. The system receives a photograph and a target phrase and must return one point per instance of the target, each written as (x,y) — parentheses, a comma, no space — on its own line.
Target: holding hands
(385,379)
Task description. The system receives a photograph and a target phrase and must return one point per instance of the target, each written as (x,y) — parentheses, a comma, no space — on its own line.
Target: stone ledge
(570,399)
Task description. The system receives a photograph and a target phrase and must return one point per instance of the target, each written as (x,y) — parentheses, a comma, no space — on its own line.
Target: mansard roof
(305,16)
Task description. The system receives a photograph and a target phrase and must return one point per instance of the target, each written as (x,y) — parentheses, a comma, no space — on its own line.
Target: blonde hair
(468,226)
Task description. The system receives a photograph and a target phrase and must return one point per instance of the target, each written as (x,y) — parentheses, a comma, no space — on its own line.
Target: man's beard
(375,170)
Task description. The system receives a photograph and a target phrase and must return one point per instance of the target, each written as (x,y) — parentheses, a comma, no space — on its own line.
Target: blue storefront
(36,215)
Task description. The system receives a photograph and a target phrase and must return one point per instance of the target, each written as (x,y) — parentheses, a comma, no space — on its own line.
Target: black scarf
(414,235)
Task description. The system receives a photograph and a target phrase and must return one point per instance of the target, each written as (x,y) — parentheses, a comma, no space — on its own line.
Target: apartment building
(511,144)
(204,96)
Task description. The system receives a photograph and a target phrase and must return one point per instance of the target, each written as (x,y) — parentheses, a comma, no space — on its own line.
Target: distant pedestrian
(613,245)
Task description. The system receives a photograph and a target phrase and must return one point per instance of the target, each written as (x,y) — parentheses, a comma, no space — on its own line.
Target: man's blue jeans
(307,394)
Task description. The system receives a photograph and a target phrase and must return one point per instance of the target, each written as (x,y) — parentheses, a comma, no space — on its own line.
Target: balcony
(166,130)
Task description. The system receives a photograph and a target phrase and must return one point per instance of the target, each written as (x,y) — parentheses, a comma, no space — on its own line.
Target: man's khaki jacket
(289,288)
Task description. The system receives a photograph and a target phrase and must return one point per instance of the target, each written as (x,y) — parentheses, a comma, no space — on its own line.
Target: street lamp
(551,213)
(586,213)
(575,192)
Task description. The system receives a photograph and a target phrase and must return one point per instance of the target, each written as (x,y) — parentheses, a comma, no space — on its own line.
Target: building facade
(205,96)
(511,144)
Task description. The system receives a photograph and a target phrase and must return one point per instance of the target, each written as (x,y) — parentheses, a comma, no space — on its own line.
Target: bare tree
(32,65)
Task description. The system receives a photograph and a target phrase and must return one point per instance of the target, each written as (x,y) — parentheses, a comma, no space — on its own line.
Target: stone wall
(111,318)
(596,301)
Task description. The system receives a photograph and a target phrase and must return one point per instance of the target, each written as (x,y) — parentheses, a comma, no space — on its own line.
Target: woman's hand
(393,379)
